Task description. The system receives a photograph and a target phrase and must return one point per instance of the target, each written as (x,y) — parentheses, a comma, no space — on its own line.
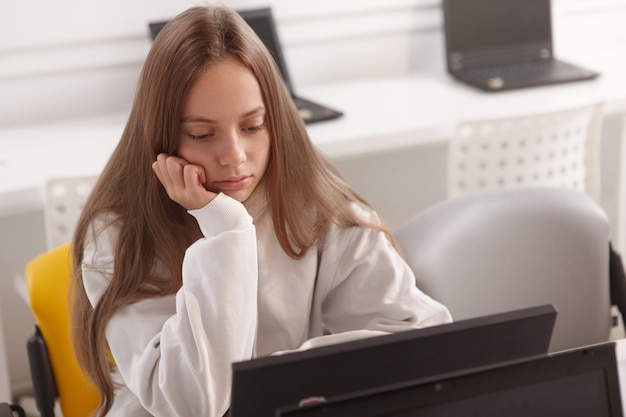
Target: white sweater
(243,297)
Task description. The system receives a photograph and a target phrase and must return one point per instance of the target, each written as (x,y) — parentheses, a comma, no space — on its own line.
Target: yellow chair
(54,369)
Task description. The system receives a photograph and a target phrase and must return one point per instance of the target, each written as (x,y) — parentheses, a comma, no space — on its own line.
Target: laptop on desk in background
(499,45)
(262,22)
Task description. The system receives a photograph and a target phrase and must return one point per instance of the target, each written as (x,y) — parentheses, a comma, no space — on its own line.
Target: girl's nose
(233,152)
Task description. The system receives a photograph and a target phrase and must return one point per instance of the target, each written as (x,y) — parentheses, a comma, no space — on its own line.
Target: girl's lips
(234,183)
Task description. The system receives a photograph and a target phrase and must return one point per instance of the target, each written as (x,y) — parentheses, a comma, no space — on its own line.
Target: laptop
(498,45)
(582,382)
(263,385)
(262,22)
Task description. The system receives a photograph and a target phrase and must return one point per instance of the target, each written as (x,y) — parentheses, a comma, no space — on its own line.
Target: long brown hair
(305,191)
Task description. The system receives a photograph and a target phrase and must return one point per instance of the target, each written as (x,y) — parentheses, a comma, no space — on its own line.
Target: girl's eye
(200,137)
(253,129)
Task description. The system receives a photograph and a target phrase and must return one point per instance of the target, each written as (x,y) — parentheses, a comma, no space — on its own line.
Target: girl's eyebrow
(200,119)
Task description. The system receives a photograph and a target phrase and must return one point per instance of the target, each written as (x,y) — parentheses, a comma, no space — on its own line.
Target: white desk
(380,115)
(426,108)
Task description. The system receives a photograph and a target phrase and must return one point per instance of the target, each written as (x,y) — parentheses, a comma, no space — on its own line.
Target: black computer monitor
(580,382)
(264,385)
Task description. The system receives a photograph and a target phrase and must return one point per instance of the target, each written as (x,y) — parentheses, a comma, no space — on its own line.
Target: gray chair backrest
(505,249)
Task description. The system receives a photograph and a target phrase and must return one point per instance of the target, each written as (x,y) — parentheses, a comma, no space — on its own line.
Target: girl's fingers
(169,170)
(193,176)
(182,181)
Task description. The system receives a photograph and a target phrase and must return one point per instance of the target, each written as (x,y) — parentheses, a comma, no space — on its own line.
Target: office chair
(11,410)
(64,199)
(510,248)
(559,149)
(54,369)
(63,202)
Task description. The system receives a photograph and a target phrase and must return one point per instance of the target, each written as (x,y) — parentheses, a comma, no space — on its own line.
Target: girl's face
(223,129)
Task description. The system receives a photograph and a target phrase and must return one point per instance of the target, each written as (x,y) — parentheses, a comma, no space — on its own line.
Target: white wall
(63,59)
(73,58)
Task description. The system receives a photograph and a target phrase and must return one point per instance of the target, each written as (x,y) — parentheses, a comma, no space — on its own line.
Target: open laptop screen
(263,385)
(484,24)
(573,383)
(479,33)
(262,22)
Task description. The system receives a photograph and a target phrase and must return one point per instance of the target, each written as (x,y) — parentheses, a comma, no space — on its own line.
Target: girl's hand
(183,181)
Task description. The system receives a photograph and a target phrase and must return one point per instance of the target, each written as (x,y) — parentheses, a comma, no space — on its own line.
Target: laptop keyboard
(313,112)
(520,69)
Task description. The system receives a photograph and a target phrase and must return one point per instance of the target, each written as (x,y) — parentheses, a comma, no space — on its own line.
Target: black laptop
(262,386)
(577,383)
(262,22)
(498,45)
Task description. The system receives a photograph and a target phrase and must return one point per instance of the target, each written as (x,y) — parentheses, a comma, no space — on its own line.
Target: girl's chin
(239,195)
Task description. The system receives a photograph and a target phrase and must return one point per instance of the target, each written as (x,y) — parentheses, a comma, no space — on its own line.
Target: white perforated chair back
(64,201)
(558,149)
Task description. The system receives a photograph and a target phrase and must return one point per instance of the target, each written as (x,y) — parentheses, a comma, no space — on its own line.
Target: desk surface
(380,115)
(426,107)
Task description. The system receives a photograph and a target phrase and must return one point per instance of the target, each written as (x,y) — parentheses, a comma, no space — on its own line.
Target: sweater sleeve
(174,353)
(368,285)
